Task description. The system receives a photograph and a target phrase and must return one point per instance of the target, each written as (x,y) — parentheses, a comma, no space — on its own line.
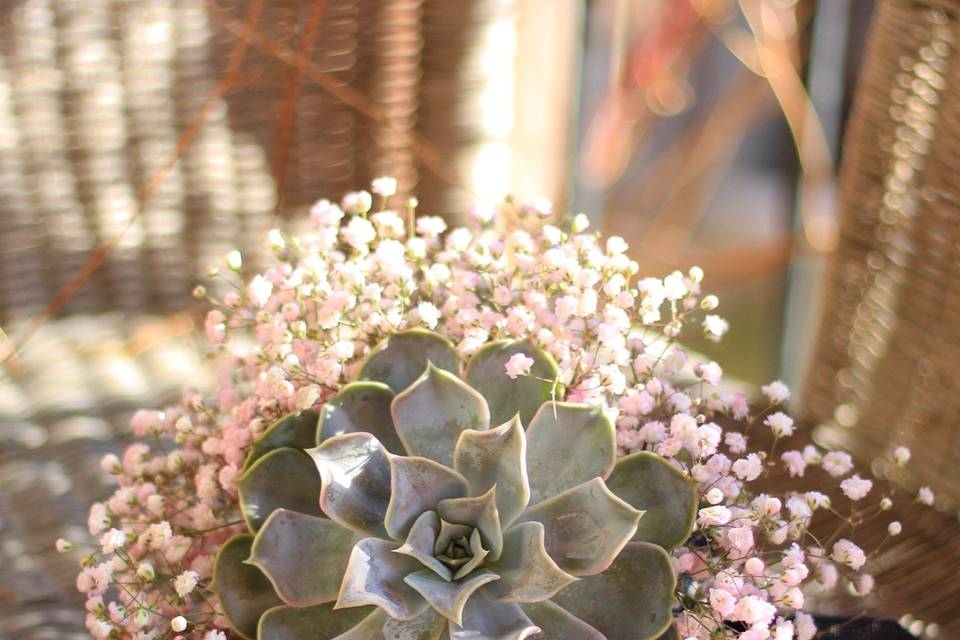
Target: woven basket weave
(95,95)
(885,367)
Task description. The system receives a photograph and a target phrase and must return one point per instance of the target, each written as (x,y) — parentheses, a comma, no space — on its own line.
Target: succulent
(431,524)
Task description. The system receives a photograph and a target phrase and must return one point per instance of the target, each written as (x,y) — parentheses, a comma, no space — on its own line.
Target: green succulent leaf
(429,625)
(244,592)
(496,458)
(320,621)
(374,576)
(670,634)
(355,469)
(282,479)
(479,512)
(508,397)
(556,623)
(568,444)
(487,620)
(448,597)
(585,527)
(297,431)
(402,358)
(432,413)
(651,484)
(303,556)
(527,573)
(417,485)
(640,581)
(360,407)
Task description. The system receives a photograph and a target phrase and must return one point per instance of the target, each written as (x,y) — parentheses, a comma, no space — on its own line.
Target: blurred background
(140,140)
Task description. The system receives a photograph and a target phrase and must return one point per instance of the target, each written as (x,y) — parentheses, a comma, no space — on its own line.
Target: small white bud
(709,303)
(714,496)
(178,624)
(111,464)
(886,504)
(580,223)
(901,455)
(275,240)
(234,260)
(696,274)
(894,528)
(146,571)
(199,292)
(63,545)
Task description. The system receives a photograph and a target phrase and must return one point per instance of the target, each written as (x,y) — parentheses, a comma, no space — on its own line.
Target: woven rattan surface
(76,386)
(95,95)
(885,367)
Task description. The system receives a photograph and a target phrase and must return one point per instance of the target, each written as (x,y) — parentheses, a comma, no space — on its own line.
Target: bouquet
(486,433)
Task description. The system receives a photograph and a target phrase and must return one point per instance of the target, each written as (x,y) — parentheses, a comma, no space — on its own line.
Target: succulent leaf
(487,620)
(374,575)
(585,436)
(360,407)
(508,397)
(244,592)
(651,484)
(420,544)
(448,598)
(496,458)
(402,357)
(297,431)
(479,512)
(379,626)
(355,469)
(296,623)
(556,623)
(670,634)
(417,485)
(303,556)
(282,479)
(640,580)
(585,527)
(527,573)
(432,413)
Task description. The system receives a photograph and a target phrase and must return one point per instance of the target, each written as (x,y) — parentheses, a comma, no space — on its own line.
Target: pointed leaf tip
(402,358)
(432,413)
(649,482)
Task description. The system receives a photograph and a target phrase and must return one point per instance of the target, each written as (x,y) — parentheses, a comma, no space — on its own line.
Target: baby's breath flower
(901,456)
(178,624)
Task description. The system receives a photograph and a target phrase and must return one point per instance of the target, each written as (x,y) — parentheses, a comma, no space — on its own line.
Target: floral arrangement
(467,433)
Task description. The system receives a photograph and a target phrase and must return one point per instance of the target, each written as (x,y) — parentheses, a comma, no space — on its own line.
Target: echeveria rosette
(431,522)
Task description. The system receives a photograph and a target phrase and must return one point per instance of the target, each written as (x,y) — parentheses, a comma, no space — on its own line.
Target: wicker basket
(885,367)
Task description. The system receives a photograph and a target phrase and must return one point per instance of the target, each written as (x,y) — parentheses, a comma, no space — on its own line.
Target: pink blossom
(804,626)
(849,554)
(722,602)
(737,442)
(748,468)
(518,365)
(855,487)
(753,610)
(795,463)
(780,424)
(776,392)
(837,463)
(713,516)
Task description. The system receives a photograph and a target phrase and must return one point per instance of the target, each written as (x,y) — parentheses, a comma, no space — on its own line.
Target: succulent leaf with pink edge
(432,522)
